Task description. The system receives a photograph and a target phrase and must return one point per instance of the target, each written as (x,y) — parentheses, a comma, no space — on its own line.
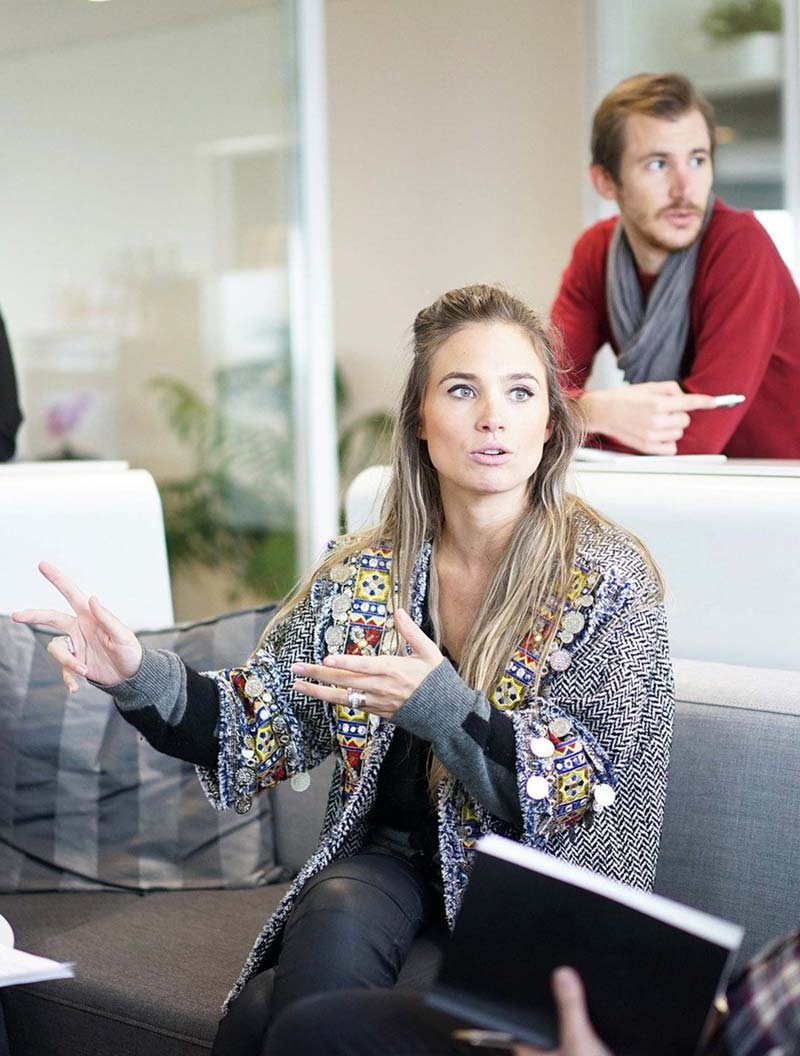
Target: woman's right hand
(103,648)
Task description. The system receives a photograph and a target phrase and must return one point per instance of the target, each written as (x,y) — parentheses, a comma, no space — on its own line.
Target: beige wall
(457,156)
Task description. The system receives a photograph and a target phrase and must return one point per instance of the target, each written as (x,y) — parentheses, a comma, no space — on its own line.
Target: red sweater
(744,334)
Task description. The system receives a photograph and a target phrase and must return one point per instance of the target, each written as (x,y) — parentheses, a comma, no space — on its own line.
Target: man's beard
(684,238)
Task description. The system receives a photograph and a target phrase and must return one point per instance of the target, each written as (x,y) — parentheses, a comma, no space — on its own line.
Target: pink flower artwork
(64,415)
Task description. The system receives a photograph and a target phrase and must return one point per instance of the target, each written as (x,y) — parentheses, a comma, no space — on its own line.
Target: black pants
(366,1023)
(352,927)
(3,1037)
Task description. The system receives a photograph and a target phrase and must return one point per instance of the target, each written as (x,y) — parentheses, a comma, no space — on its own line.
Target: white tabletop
(689,464)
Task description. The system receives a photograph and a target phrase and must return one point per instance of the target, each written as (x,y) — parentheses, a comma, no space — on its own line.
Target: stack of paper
(17,967)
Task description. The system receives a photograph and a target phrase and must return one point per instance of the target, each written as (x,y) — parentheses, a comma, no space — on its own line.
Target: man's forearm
(590,405)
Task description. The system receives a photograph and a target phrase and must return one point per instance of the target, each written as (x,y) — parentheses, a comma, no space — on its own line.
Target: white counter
(726,536)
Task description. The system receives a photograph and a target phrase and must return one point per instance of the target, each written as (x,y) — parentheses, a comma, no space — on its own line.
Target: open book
(651,967)
(17,967)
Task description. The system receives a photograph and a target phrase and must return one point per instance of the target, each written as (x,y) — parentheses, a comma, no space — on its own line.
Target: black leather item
(352,928)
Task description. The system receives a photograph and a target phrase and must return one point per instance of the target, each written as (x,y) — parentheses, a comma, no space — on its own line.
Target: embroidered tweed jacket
(607,678)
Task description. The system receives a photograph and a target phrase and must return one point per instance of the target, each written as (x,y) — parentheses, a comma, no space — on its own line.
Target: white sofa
(724,534)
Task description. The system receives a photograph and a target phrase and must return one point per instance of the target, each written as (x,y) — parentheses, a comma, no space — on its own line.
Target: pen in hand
(729,399)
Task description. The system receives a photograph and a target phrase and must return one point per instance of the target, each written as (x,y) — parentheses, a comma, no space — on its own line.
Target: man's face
(665,181)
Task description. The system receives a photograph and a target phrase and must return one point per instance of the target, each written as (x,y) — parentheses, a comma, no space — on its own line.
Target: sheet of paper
(597,454)
(19,967)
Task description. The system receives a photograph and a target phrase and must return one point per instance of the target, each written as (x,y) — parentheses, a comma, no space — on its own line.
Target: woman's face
(485,412)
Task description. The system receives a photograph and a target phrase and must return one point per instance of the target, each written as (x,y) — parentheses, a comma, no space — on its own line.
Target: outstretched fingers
(56,621)
(64,585)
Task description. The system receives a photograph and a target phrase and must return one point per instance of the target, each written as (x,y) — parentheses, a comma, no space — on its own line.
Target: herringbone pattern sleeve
(267,731)
(618,693)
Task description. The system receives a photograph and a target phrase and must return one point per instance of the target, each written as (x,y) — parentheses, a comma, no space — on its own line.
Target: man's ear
(603,183)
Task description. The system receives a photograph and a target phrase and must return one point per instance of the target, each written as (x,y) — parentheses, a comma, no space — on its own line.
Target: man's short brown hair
(665,95)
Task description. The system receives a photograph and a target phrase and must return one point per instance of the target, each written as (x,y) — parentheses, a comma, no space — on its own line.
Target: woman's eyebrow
(465,376)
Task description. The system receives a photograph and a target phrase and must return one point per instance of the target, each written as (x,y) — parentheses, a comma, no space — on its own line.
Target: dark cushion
(151,970)
(86,803)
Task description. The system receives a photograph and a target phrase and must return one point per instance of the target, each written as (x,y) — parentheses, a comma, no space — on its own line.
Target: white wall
(457,156)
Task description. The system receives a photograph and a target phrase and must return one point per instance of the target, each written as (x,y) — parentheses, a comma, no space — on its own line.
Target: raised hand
(386,682)
(92,642)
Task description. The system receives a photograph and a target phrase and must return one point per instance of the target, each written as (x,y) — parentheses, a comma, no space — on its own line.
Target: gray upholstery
(86,803)
(152,969)
(731,843)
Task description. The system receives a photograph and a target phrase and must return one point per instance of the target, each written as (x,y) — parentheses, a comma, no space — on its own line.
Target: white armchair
(100,522)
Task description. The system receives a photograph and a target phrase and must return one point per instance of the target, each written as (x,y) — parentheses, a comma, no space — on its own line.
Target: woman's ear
(548,431)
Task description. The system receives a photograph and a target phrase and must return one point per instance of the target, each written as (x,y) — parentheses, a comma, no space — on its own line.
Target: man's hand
(575,1032)
(650,418)
(386,681)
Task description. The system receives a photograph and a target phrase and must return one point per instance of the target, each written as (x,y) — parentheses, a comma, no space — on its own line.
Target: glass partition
(149,205)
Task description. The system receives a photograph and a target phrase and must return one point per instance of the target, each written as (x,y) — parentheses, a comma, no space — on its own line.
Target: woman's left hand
(386,681)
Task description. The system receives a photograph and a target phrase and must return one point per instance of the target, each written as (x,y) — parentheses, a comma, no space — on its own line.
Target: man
(691,294)
(10,415)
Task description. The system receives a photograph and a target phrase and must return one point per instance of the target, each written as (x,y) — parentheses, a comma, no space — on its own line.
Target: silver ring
(356,699)
(67,640)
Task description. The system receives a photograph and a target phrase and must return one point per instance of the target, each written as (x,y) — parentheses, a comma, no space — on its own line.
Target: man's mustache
(682,207)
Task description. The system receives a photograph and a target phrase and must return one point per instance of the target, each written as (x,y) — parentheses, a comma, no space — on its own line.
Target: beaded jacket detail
(605,703)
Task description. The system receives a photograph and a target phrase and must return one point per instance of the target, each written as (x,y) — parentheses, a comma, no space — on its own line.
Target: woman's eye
(461,391)
(521,393)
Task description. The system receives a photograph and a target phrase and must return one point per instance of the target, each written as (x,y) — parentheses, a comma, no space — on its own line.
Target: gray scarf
(651,340)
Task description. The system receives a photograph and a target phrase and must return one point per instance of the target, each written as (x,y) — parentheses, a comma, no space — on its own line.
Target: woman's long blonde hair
(534,571)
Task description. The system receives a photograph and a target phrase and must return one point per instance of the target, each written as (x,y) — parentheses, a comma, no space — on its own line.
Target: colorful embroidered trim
(362,624)
(523,666)
(266,745)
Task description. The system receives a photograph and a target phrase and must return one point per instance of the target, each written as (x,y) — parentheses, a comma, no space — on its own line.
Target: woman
(491,658)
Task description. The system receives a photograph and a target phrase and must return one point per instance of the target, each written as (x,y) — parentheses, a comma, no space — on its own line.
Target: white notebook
(18,967)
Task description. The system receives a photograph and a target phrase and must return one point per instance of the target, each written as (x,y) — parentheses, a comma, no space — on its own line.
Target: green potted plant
(234,512)
(729,20)
(746,40)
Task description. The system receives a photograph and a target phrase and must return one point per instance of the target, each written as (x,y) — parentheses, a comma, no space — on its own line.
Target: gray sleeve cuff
(457,721)
(440,704)
(160,682)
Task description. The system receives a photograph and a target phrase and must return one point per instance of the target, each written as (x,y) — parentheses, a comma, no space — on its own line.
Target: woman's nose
(490,419)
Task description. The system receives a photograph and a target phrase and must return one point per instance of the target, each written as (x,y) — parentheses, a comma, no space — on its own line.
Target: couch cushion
(85,802)
(151,970)
(730,843)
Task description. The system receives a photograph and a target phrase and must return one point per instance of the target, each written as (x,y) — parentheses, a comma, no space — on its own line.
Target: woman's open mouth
(490,455)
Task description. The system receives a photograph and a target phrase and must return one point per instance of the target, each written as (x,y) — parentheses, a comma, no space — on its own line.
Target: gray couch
(152,969)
